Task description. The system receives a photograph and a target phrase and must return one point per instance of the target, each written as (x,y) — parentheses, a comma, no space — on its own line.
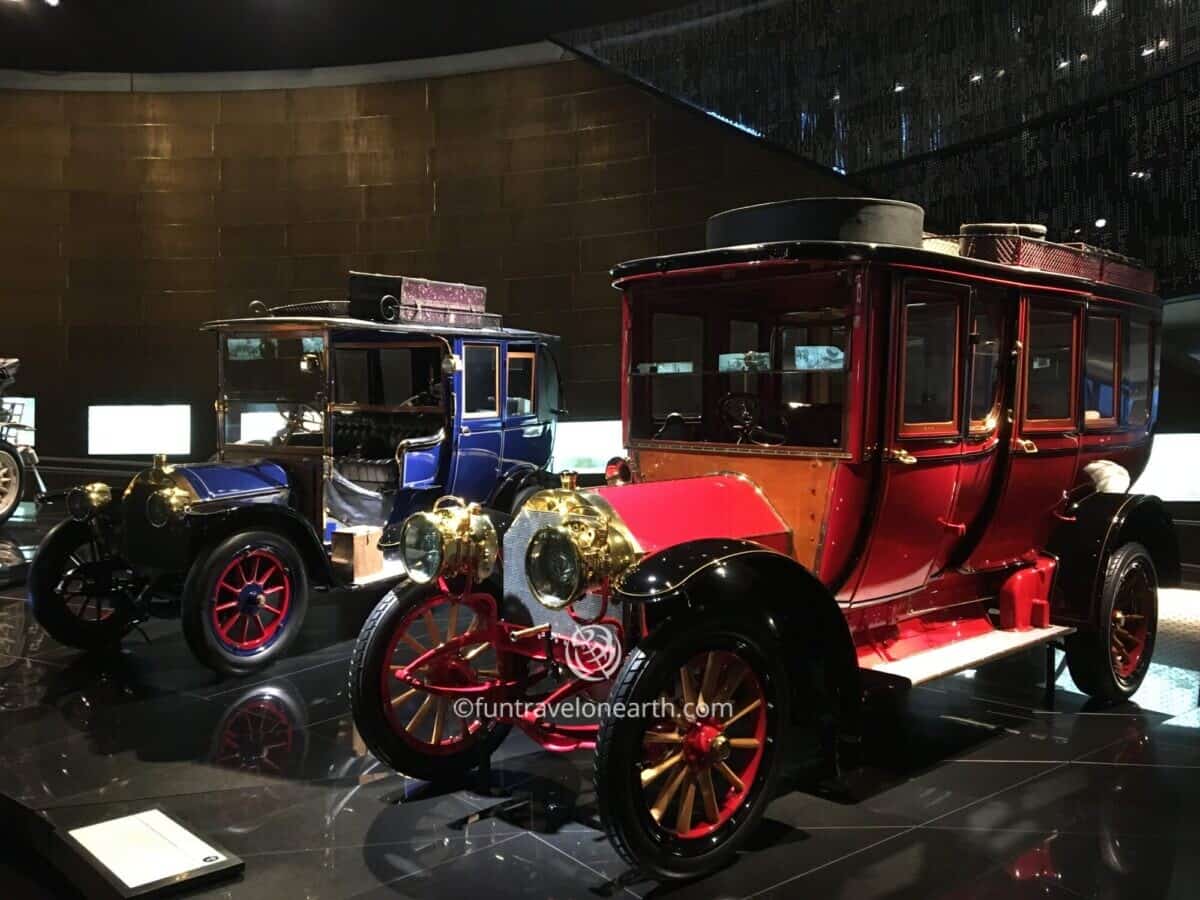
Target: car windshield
(760,363)
(274,386)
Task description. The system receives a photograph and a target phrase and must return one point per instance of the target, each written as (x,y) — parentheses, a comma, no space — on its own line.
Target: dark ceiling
(231,35)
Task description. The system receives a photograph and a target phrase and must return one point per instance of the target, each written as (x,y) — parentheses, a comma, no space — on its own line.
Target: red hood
(661,514)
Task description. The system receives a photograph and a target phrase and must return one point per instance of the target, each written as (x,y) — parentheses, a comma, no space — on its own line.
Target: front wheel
(683,776)
(415,731)
(81,595)
(244,603)
(12,480)
(1110,660)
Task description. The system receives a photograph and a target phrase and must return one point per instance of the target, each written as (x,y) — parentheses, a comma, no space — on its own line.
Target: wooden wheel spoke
(734,676)
(452,622)
(667,794)
(474,652)
(687,686)
(663,737)
(708,795)
(439,720)
(419,716)
(731,776)
(708,683)
(414,643)
(683,818)
(650,775)
(745,710)
(435,636)
(398,700)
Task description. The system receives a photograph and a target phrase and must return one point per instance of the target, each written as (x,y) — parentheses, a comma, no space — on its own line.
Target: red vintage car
(858,453)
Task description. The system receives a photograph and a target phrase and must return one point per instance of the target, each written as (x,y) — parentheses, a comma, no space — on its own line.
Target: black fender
(520,477)
(1093,528)
(214,522)
(720,574)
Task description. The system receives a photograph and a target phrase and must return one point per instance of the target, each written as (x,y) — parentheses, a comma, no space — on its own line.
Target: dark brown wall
(128,219)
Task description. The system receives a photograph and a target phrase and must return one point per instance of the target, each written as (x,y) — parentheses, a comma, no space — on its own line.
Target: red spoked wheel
(700,759)
(1109,659)
(1129,625)
(263,732)
(244,602)
(468,664)
(251,601)
(424,653)
(684,773)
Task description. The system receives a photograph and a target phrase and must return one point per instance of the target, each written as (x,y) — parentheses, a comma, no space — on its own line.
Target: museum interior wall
(128,219)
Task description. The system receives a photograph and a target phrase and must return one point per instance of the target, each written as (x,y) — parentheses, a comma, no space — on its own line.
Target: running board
(968,653)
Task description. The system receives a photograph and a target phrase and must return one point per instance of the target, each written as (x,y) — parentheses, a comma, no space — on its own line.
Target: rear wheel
(683,781)
(12,481)
(81,595)
(416,732)
(244,603)
(1110,661)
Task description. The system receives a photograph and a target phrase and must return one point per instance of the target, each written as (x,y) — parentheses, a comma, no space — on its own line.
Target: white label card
(146,847)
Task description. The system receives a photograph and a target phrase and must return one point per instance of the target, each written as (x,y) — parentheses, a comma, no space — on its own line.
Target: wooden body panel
(797,486)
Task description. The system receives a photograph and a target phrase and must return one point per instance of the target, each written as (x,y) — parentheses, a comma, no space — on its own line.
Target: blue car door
(480,438)
(528,431)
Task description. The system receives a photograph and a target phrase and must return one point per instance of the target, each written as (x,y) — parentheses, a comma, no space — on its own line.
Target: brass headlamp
(454,538)
(84,502)
(590,545)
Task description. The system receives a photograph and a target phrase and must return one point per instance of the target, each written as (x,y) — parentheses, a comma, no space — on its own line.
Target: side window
(481,366)
(986,324)
(676,352)
(1050,370)
(930,400)
(1100,372)
(546,370)
(521,381)
(1135,374)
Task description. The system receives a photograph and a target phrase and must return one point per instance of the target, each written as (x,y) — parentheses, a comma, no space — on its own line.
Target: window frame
(931,293)
(1104,423)
(531,355)
(1070,422)
(493,413)
(1152,362)
(980,299)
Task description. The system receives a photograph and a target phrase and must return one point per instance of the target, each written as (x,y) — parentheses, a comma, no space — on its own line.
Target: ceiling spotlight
(1148,51)
(52,2)
(1000,73)
(1100,7)
(898,88)
(1063,63)
(837,96)
(1100,223)
(1083,57)
(976,78)
(1163,43)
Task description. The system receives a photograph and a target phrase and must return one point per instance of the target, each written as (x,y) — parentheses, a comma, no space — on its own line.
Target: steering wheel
(739,412)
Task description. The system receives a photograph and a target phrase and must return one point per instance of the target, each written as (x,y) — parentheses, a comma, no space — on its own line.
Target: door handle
(464,430)
(902,456)
(1026,445)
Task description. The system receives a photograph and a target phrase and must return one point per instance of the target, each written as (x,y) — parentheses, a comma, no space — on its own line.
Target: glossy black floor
(974,788)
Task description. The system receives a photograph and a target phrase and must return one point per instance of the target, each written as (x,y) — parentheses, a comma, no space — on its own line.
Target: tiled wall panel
(128,219)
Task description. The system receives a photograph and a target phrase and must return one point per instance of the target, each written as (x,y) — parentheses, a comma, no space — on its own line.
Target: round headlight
(82,502)
(78,507)
(554,568)
(164,505)
(421,549)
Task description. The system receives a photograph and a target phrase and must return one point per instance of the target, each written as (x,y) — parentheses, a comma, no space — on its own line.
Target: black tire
(12,481)
(652,849)
(1129,577)
(371,707)
(226,654)
(87,622)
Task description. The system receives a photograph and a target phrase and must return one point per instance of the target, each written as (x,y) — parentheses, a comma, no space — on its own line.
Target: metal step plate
(967,654)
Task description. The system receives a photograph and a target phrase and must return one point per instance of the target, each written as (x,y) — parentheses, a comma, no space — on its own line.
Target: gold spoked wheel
(699,759)
(10,482)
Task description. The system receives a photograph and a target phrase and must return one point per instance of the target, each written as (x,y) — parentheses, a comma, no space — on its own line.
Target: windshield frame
(319,400)
(638,308)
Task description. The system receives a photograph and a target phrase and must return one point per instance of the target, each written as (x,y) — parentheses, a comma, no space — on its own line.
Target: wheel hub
(250,599)
(705,745)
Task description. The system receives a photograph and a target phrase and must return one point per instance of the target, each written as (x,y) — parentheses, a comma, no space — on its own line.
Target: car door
(912,534)
(1044,442)
(527,435)
(480,438)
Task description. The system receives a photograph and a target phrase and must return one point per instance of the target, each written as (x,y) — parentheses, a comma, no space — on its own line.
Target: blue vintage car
(331,416)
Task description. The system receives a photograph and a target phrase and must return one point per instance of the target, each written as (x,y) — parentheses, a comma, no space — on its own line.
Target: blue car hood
(220,481)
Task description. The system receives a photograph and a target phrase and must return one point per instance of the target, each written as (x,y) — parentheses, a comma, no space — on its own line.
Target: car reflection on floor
(972,787)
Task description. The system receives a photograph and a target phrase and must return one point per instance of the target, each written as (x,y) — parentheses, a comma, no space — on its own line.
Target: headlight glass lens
(158,510)
(554,568)
(78,507)
(421,548)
